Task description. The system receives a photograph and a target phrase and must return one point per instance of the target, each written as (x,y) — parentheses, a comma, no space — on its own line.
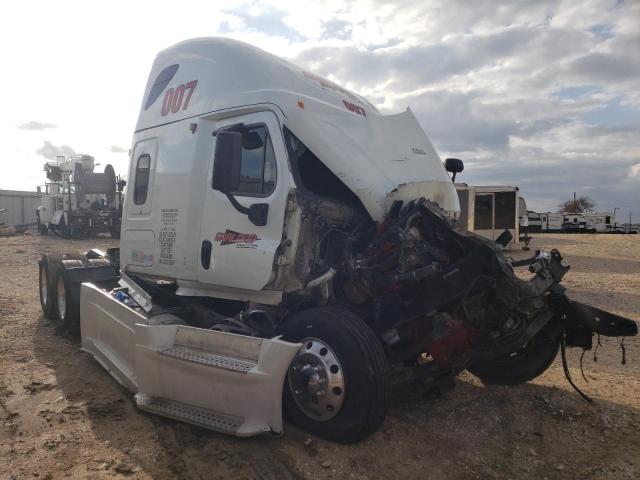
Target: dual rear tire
(57,300)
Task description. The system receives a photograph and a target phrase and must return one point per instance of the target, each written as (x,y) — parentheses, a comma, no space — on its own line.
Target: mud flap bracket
(581,321)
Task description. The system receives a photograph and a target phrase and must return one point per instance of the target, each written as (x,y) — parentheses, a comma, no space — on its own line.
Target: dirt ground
(63,415)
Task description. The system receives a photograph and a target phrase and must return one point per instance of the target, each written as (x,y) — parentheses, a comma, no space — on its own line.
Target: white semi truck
(77,201)
(287,248)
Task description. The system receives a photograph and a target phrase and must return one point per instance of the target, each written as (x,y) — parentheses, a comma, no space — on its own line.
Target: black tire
(525,365)
(364,368)
(64,231)
(48,271)
(67,299)
(42,228)
(115,231)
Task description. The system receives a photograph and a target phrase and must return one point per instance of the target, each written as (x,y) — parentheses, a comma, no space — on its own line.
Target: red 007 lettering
(173,98)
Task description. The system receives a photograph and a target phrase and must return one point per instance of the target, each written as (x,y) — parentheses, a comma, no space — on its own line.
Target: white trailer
(551,222)
(490,210)
(287,247)
(523,219)
(574,223)
(467,199)
(603,222)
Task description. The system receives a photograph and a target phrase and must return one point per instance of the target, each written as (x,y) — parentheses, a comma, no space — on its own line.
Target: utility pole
(629,229)
(615,222)
(575,205)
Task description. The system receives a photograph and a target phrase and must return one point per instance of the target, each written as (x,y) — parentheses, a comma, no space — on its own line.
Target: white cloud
(117,149)
(511,87)
(51,151)
(35,125)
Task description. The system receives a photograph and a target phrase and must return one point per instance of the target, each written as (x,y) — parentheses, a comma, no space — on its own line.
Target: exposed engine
(429,289)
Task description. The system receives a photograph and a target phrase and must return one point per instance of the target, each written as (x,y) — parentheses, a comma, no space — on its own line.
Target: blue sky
(541,94)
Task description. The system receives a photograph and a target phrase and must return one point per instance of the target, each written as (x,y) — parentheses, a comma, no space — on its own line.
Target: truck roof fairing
(377,156)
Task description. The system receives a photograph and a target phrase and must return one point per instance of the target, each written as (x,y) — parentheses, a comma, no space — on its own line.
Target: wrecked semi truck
(288,249)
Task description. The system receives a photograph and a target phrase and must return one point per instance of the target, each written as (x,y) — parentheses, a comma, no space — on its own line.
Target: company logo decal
(329,85)
(240,240)
(139,257)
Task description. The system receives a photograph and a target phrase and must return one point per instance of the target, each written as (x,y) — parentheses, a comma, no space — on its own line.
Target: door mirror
(226,164)
(453,165)
(39,190)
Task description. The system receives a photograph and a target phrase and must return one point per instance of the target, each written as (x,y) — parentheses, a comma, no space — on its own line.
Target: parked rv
(551,222)
(523,220)
(599,222)
(535,223)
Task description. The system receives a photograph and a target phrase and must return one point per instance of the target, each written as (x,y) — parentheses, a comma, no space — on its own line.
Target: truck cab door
(234,252)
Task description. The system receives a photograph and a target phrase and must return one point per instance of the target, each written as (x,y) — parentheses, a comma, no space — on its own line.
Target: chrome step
(190,414)
(218,361)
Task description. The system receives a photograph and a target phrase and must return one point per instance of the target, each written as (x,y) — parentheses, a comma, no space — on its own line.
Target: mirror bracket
(241,208)
(257,213)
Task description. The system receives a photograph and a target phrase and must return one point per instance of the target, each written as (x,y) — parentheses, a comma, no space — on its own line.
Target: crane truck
(287,249)
(78,201)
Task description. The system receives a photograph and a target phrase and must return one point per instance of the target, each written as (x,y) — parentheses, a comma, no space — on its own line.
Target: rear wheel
(61,299)
(64,230)
(47,272)
(42,228)
(67,305)
(337,386)
(114,231)
(532,360)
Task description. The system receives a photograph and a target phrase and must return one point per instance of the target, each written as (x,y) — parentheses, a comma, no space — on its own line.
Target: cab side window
(258,164)
(141,185)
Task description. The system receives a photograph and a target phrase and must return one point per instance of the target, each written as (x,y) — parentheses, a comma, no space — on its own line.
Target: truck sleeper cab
(285,247)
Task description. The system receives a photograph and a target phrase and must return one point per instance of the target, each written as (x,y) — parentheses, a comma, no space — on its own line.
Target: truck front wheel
(64,230)
(530,361)
(337,386)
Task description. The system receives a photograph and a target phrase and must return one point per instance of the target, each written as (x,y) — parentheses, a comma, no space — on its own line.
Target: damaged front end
(443,299)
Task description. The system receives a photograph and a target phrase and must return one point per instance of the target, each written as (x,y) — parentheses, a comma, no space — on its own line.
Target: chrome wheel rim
(44,285)
(62,299)
(316,380)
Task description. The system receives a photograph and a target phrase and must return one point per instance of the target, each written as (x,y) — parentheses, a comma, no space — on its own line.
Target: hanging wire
(584,350)
(565,367)
(595,350)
